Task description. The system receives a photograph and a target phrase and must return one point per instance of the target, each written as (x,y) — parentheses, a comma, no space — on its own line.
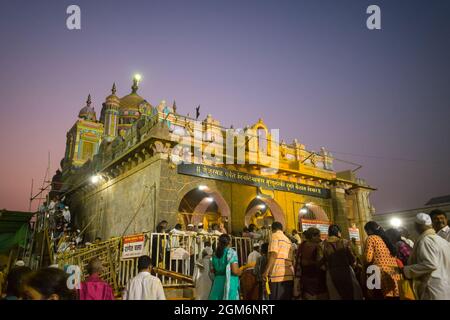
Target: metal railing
(107,251)
(173,256)
(178,254)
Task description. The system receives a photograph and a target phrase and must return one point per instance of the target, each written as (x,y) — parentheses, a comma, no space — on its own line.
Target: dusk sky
(380,98)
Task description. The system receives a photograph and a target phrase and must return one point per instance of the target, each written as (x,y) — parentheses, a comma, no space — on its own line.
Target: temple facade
(139,164)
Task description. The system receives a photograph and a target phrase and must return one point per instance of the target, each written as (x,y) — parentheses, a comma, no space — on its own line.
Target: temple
(127,170)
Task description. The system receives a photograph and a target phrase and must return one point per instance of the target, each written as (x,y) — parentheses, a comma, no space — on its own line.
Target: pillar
(339,210)
(364,210)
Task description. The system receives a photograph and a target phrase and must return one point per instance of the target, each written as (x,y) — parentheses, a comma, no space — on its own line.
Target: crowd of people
(53,283)
(288,266)
(390,267)
(55,216)
(64,235)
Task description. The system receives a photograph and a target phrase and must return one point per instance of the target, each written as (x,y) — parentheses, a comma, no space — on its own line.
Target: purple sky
(310,68)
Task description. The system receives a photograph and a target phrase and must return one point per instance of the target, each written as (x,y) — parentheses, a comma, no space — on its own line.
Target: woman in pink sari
(94,288)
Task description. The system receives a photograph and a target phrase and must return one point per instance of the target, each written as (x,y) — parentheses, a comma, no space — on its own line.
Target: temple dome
(129,104)
(112,98)
(87,112)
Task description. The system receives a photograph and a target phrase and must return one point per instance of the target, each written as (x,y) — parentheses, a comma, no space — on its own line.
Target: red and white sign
(354,233)
(321,225)
(133,246)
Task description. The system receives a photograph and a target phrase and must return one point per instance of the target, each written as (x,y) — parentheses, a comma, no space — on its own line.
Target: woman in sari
(379,251)
(404,250)
(339,261)
(224,267)
(310,277)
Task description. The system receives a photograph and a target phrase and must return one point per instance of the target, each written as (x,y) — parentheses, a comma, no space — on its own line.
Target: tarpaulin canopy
(13,229)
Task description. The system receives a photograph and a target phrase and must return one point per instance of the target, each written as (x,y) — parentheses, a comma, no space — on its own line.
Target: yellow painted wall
(240,196)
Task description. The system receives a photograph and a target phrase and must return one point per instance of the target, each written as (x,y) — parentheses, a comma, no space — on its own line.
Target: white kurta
(253,256)
(66,215)
(429,267)
(144,287)
(445,233)
(202,280)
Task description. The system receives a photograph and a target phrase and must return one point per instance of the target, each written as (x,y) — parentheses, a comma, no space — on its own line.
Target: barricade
(173,257)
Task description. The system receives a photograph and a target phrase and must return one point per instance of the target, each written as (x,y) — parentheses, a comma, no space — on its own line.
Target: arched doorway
(313,215)
(204,205)
(263,211)
(312,211)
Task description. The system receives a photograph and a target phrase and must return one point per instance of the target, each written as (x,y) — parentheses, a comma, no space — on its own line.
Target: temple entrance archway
(313,215)
(312,211)
(263,211)
(204,205)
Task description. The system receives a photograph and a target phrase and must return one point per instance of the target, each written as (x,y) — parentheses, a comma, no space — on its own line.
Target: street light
(96,178)
(396,222)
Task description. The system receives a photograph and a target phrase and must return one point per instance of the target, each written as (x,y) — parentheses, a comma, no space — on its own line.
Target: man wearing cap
(19,263)
(254,255)
(201,230)
(190,230)
(249,282)
(191,246)
(440,223)
(429,264)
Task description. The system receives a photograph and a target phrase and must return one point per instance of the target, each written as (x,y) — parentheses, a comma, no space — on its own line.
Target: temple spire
(135,87)
(136,79)
(88,101)
(174,107)
(113,90)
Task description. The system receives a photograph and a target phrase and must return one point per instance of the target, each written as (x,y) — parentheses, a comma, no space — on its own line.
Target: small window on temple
(88,150)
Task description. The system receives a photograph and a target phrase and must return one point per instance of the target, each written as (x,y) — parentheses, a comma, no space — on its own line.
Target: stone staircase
(180,293)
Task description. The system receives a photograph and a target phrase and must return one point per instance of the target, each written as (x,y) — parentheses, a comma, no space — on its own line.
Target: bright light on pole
(138,77)
(95,179)
(396,222)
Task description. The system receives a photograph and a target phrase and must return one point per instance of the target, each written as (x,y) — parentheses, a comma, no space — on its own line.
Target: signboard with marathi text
(321,225)
(133,246)
(354,233)
(223,174)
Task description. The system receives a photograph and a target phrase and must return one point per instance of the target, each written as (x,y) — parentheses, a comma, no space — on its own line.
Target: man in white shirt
(254,255)
(144,286)
(190,231)
(52,204)
(440,223)
(66,214)
(178,230)
(215,230)
(429,263)
(201,230)
(254,234)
